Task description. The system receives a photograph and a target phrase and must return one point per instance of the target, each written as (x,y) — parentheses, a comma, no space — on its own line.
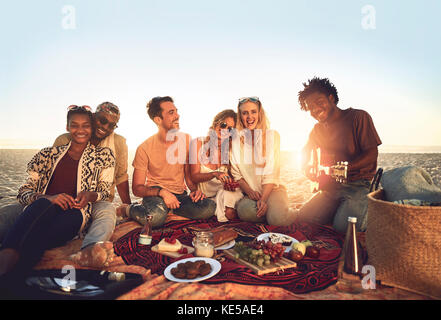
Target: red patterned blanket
(309,275)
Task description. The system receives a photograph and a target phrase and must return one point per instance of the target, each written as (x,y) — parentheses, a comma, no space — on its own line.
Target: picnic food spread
(267,253)
(280,238)
(302,249)
(259,252)
(191,269)
(204,244)
(223,236)
(169,244)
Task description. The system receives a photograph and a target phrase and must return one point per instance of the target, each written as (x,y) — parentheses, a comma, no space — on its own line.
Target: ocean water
(13,171)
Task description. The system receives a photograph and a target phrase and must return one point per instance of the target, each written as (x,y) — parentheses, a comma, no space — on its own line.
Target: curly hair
(154,106)
(317,85)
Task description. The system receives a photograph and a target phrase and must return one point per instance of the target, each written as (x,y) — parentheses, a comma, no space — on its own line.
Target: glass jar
(204,244)
(145,237)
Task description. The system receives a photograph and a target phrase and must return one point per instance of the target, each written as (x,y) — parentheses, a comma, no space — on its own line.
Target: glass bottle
(351,250)
(350,262)
(204,244)
(145,237)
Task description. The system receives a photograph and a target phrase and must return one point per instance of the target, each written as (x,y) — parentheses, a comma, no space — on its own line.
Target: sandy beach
(13,166)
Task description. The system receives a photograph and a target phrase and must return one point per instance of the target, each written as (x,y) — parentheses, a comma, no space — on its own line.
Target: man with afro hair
(340,135)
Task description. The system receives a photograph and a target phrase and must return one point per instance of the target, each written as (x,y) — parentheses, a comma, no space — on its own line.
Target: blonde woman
(211,170)
(255,164)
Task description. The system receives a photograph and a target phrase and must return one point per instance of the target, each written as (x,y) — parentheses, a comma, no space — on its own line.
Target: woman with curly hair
(62,184)
(211,170)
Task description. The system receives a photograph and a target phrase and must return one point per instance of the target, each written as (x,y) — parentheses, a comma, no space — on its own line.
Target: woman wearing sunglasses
(211,170)
(255,164)
(62,184)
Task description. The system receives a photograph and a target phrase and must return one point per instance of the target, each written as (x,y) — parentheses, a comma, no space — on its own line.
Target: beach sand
(13,172)
(13,166)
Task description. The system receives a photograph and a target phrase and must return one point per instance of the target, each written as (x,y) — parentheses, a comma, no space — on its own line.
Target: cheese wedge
(165,246)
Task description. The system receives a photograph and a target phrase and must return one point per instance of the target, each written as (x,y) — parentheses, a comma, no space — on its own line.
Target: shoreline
(13,172)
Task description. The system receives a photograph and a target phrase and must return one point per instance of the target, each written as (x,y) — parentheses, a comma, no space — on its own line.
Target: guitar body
(324,182)
(326,176)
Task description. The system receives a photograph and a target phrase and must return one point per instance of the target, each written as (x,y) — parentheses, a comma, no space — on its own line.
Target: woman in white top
(255,164)
(211,168)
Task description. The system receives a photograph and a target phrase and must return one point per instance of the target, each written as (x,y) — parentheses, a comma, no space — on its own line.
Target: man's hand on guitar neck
(308,171)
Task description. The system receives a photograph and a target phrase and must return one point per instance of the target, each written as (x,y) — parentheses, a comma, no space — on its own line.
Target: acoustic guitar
(326,174)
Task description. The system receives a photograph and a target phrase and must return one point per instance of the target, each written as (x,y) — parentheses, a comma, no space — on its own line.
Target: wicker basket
(404,245)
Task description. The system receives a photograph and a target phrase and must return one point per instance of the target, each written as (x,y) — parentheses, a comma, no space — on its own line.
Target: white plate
(266,236)
(215,268)
(225,246)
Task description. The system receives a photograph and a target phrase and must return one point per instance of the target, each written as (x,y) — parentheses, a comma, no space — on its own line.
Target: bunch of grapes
(231,186)
(259,252)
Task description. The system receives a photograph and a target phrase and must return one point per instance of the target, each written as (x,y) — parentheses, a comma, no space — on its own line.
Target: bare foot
(98,255)
(122,210)
(8,259)
(230,213)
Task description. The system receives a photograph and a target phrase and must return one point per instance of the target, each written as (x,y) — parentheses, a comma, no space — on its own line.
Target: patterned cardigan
(95,173)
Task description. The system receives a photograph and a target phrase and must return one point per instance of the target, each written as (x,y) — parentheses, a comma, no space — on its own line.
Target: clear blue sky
(207,54)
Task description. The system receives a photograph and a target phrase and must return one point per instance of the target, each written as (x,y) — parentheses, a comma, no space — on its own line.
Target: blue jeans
(336,205)
(277,214)
(8,215)
(40,227)
(155,206)
(100,229)
(103,223)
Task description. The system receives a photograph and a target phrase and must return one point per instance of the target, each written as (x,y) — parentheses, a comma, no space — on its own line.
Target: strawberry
(170,240)
(183,251)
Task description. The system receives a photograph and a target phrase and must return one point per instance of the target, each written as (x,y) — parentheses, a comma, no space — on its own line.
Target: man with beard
(105,121)
(342,135)
(162,173)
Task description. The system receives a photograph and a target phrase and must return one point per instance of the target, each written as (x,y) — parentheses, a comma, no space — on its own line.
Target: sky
(383,57)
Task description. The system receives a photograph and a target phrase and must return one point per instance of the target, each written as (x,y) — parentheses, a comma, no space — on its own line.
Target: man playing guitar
(348,142)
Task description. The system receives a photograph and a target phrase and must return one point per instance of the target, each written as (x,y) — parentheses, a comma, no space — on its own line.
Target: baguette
(223,236)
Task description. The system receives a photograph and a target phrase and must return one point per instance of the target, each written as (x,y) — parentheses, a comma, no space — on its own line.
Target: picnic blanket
(309,275)
(157,287)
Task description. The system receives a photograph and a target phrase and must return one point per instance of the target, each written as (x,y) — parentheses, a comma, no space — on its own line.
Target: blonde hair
(262,123)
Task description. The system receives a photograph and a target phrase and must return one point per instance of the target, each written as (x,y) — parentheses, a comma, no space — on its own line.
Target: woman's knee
(207,209)
(247,210)
(278,213)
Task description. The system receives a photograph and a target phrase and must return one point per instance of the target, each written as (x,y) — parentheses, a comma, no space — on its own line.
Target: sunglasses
(104,121)
(224,125)
(75,107)
(251,99)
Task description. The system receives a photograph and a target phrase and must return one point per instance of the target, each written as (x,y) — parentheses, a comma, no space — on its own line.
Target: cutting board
(173,254)
(280,265)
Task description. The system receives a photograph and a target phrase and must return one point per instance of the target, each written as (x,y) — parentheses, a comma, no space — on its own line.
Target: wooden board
(173,254)
(282,264)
